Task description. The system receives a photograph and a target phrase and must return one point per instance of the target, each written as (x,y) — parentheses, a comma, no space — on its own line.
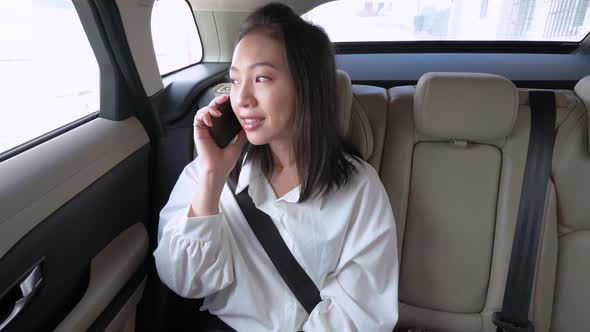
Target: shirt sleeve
(193,255)
(362,293)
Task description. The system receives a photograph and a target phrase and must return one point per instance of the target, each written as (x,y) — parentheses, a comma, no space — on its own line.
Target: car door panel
(110,271)
(61,204)
(74,160)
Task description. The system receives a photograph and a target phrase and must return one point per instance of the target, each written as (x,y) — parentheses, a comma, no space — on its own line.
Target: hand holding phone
(215,127)
(226,127)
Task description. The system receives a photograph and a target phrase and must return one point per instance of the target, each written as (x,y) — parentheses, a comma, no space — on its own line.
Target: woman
(329,206)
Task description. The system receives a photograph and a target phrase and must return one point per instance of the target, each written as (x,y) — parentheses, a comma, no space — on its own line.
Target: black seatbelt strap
(269,237)
(521,271)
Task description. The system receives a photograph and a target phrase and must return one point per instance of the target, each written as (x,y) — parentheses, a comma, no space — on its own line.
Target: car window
(175,36)
(454,20)
(49,74)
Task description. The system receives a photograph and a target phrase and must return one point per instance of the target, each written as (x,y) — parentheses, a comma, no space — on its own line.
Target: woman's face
(263,92)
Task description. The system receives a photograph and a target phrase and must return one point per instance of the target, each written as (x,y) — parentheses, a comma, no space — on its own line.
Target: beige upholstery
(435,224)
(545,286)
(344,87)
(465,106)
(110,270)
(451,219)
(571,172)
(363,110)
(74,159)
(582,90)
(371,103)
(455,194)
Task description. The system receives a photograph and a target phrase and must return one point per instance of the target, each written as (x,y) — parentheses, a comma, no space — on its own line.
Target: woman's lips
(250,123)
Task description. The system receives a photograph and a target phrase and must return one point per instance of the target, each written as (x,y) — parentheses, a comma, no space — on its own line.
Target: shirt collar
(251,175)
(248,174)
(292,196)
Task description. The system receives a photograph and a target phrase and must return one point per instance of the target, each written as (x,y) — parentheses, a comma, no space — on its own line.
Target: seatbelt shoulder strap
(529,223)
(300,284)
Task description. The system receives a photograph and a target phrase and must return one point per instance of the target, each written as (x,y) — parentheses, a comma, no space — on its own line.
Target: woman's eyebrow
(262,64)
(254,65)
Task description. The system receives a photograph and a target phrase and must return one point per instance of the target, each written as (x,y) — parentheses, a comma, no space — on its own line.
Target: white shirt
(344,241)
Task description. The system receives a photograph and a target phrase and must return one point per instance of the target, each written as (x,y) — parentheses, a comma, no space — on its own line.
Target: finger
(215,112)
(218,100)
(199,125)
(198,122)
(199,115)
(207,119)
(207,111)
(201,130)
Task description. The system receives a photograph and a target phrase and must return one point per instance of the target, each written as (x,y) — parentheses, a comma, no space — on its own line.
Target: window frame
(459,47)
(12,152)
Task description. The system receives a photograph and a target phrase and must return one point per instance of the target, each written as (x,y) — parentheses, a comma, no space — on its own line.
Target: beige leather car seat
(453,163)
(363,117)
(451,153)
(571,172)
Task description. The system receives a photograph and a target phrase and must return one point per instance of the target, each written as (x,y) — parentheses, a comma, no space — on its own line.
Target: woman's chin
(255,139)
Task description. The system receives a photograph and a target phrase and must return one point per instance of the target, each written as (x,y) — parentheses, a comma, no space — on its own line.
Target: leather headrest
(465,106)
(582,89)
(344,93)
(354,122)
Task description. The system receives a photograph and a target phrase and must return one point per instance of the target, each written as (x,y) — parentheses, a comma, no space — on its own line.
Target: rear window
(175,36)
(453,20)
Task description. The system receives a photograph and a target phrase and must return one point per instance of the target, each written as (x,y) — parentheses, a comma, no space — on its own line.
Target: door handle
(29,286)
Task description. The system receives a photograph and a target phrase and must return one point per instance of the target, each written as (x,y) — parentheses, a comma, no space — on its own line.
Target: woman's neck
(284,176)
(283,156)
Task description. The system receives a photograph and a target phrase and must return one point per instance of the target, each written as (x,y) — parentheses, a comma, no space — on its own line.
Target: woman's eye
(233,81)
(262,78)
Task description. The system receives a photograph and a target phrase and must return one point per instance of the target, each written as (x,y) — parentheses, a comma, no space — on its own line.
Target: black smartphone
(226,127)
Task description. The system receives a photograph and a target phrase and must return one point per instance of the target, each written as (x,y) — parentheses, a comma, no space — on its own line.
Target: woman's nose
(245,97)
